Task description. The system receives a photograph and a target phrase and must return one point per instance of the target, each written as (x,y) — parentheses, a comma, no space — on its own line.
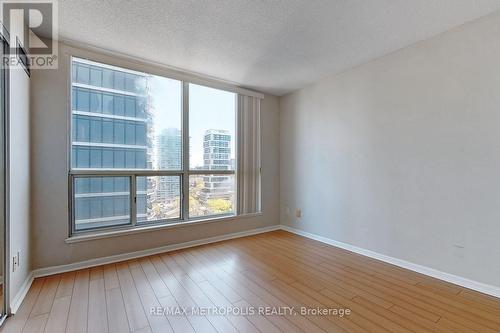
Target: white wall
(402,155)
(50,179)
(20,208)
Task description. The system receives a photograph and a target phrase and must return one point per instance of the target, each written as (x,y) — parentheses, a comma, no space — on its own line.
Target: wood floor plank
(318,278)
(394,318)
(36,324)
(370,324)
(266,271)
(479,298)
(97,321)
(290,298)
(96,273)
(65,287)
(135,313)
(423,300)
(179,323)
(159,287)
(148,300)
(58,316)
(77,317)
(200,323)
(241,323)
(220,285)
(221,296)
(110,277)
(447,300)
(253,263)
(117,317)
(279,299)
(193,274)
(454,327)
(172,265)
(299,299)
(260,322)
(429,325)
(437,318)
(257,298)
(46,298)
(220,323)
(350,260)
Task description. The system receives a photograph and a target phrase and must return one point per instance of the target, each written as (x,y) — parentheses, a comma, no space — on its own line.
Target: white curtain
(248,164)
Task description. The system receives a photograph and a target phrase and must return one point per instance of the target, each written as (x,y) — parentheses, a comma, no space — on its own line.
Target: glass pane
(211,195)
(82,73)
(158,198)
(140,121)
(101,202)
(212,122)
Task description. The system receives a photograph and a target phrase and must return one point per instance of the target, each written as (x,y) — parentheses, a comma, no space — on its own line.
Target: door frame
(5,187)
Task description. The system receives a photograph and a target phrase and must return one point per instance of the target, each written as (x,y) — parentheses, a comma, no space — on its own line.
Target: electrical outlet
(287,211)
(14,263)
(298,213)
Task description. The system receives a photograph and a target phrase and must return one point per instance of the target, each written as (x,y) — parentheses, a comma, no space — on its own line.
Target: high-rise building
(217,156)
(110,131)
(169,157)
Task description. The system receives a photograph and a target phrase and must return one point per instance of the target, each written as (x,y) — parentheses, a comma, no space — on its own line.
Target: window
(139,156)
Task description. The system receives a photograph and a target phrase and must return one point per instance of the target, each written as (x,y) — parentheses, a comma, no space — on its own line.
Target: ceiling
(274,46)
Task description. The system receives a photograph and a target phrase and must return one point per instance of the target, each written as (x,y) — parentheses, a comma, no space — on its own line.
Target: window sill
(141,229)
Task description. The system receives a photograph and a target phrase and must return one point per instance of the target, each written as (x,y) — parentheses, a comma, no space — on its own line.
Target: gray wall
(402,155)
(19,177)
(50,113)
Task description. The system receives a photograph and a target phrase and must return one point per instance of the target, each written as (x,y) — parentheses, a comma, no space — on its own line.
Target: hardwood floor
(276,269)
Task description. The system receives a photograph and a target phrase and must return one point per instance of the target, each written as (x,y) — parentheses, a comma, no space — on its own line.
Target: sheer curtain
(248,164)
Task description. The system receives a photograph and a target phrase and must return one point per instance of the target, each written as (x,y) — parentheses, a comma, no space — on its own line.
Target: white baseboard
(21,294)
(458,280)
(138,254)
(41,272)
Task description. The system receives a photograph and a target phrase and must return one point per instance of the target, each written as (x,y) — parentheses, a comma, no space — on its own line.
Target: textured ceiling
(275,46)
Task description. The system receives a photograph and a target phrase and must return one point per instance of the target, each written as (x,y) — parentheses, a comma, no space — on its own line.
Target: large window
(148,149)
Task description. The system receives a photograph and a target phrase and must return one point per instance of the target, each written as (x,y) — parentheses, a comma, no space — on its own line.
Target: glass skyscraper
(110,131)
(169,157)
(217,156)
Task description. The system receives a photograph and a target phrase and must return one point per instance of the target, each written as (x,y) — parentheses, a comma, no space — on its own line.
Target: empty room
(314,166)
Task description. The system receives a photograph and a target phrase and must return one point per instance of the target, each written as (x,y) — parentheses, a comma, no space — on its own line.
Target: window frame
(184,173)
